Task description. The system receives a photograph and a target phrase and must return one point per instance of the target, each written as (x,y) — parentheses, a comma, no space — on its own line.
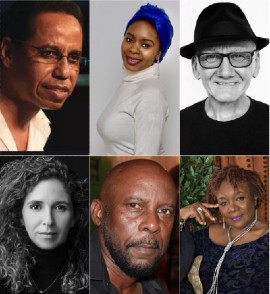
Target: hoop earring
(223,224)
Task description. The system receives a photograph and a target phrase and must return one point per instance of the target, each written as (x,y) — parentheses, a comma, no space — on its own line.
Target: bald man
(134,215)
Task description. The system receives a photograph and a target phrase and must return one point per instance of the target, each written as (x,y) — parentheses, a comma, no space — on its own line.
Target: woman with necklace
(44,228)
(235,254)
(133,121)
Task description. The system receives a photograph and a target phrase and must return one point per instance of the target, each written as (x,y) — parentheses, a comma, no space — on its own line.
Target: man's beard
(122,257)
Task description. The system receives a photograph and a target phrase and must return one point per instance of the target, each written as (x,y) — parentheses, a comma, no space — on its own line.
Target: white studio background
(257,13)
(108,20)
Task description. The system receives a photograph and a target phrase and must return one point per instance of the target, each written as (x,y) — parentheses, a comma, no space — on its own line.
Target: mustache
(144,241)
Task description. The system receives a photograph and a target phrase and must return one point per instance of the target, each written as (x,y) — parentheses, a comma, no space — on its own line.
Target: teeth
(226,84)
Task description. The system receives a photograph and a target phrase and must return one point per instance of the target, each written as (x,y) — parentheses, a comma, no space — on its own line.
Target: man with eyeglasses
(225,56)
(41,56)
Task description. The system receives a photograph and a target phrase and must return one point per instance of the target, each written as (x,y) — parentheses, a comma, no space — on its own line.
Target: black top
(50,265)
(99,277)
(247,135)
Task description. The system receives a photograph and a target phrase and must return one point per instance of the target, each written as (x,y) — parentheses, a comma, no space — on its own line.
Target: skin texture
(136,211)
(237,206)
(48,209)
(226,86)
(140,47)
(27,85)
(32,77)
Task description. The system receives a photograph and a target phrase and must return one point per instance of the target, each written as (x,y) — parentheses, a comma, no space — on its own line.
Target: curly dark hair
(17,179)
(235,175)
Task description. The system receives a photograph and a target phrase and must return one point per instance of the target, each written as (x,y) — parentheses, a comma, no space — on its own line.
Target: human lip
(48,235)
(56,88)
(236,218)
(227,84)
(132,60)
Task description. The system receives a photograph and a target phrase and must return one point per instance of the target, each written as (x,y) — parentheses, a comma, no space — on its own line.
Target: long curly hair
(235,175)
(17,179)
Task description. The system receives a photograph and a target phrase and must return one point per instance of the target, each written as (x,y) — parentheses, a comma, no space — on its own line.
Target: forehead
(145,182)
(228,189)
(54,24)
(242,46)
(143,27)
(50,190)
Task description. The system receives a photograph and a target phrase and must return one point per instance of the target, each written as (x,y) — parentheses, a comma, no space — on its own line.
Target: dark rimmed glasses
(51,55)
(236,59)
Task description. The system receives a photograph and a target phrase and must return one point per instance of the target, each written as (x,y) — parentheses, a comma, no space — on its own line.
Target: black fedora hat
(219,23)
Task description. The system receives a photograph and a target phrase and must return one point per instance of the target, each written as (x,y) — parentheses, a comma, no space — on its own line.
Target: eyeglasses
(52,55)
(236,59)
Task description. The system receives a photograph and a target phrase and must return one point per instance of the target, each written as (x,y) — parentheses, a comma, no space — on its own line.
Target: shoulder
(195,108)
(260,106)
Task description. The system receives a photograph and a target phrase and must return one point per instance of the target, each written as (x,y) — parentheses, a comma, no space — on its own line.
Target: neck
(225,111)
(17,116)
(124,283)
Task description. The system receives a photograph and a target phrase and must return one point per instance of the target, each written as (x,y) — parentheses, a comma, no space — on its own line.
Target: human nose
(226,69)
(62,68)
(232,206)
(48,218)
(150,223)
(134,48)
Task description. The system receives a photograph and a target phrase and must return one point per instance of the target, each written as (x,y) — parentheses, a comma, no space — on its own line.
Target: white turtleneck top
(133,121)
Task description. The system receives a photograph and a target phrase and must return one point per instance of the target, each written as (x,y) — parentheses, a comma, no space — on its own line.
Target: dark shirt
(99,277)
(245,268)
(246,135)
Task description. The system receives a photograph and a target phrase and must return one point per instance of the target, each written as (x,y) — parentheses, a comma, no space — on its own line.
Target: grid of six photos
(126,167)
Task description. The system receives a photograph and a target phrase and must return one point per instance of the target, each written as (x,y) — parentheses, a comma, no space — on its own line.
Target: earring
(157,61)
(223,224)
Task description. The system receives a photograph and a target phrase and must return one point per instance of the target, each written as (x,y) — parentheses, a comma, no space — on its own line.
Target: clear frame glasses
(236,59)
(52,55)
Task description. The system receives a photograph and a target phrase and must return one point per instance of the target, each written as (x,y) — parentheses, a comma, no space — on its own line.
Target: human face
(47,214)
(227,83)
(138,221)
(236,205)
(141,46)
(41,85)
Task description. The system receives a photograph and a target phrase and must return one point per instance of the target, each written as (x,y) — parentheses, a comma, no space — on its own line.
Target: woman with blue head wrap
(133,121)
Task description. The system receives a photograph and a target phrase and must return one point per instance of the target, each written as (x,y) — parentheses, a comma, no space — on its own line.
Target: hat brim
(188,51)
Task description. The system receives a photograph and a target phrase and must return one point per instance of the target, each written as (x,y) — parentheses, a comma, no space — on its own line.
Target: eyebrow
(144,39)
(42,202)
(56,48)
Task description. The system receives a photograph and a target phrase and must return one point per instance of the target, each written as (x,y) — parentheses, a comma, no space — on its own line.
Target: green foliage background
(195,173)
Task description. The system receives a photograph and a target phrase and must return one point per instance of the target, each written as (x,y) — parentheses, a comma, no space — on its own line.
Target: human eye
(61,207)
(210,58)
(35,206)
(128,39)
(134,205)
(240,198)
(146,45)
(74,58)
(48,53)
(166,212)
(222,203)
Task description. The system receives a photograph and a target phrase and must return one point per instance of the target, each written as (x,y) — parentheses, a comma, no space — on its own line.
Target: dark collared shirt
(99,277)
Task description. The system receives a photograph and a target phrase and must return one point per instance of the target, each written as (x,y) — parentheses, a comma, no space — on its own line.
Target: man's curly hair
(17,179)
(235,175)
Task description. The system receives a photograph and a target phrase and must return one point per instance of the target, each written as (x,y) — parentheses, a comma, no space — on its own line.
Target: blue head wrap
(160,20)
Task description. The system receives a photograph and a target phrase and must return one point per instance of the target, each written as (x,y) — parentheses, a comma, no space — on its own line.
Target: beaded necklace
(214,287)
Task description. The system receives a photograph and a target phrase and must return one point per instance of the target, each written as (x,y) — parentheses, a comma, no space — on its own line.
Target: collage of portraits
(134,146)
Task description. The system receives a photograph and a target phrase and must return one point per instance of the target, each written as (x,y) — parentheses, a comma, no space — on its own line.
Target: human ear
(97,211)
(195,70)
(257,64)
(6,52)
(158,55)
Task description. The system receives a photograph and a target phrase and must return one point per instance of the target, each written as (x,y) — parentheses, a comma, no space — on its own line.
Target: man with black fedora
(225,56)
